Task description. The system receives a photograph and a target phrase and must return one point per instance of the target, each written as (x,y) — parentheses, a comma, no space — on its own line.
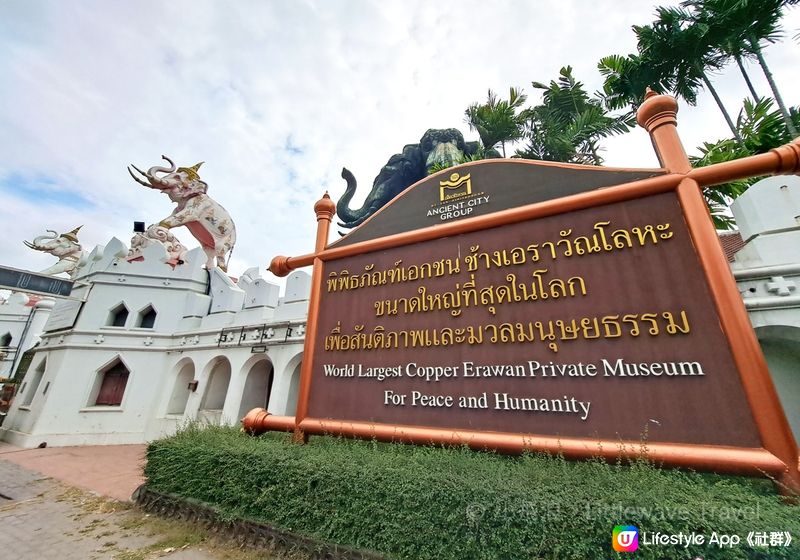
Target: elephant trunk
(37,242)
(151,173)
(350,218)
(50,235)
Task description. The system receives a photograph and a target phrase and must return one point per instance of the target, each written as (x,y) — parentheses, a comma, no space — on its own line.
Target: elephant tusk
(32,246)
(137,179)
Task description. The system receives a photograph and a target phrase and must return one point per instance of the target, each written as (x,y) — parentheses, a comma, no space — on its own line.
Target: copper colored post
(718,458)
(258,421)
(783,160)
(280,266)
(776,435)
(324,209)
(658,115)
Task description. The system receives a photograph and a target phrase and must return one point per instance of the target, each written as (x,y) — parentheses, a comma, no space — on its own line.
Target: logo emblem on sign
(456,187)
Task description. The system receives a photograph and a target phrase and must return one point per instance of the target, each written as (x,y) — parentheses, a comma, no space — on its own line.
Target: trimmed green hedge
(425,502)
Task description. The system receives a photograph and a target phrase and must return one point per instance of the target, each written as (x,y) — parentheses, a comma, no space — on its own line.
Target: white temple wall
(781,345)
(106,297)
(41,312)
(29,402)
(72,417)
(257,377)
(161,359)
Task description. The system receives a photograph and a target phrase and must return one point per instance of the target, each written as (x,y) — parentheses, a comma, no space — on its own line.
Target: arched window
(257,387)
(118,316)
(112,382)
(294,391)
(181,391)
(217,385)
(146,318)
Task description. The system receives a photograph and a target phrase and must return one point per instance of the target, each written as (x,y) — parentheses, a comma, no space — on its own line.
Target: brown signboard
(597,323)
(594,318)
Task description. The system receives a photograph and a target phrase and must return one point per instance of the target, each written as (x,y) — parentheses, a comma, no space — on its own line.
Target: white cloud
(91,87)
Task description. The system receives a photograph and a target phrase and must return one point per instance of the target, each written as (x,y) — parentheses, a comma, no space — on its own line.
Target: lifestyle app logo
(625,538)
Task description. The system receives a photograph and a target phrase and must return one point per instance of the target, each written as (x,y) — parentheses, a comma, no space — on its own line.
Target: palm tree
(715,19)
(497,121)
(679,50)
(738,28)
(568,125)
(627,79)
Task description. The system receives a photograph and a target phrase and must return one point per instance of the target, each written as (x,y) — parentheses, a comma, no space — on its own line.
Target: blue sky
(276,97)
(43,190)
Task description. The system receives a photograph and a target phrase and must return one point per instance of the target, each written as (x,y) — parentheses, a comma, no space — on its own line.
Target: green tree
(738,29)
(761,128)
(568,125)
(716,19)
(681,53)
(497,121)
(626,78)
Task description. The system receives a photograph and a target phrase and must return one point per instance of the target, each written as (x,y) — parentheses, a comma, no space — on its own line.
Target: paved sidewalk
(44,519)
(108,470)
(41,519)
(43,516)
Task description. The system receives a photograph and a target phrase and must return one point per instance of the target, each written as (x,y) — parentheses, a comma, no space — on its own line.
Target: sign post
(603,323)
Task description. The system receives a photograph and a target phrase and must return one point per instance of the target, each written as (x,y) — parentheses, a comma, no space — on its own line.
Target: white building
(155,345)
(767,270)
(22,319)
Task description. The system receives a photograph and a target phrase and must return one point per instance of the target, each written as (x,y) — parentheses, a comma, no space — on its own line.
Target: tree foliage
(679,52)
(569,123)
(739,29)
(761,128)
(626,78)
(497,121)
(684,46)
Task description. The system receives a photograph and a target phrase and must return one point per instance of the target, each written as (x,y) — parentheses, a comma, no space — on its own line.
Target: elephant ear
(194,187)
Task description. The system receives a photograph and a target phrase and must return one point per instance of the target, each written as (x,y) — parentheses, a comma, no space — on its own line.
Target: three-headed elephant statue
(437,149)
(205,218)
(65,246)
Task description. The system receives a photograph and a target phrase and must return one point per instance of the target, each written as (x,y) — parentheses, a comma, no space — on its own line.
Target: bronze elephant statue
(437,147)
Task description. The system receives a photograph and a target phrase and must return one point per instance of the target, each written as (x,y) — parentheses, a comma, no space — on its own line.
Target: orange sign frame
(778,456)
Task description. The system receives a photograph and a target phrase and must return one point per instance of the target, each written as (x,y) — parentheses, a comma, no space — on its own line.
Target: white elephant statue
(205,218)
(64,246)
